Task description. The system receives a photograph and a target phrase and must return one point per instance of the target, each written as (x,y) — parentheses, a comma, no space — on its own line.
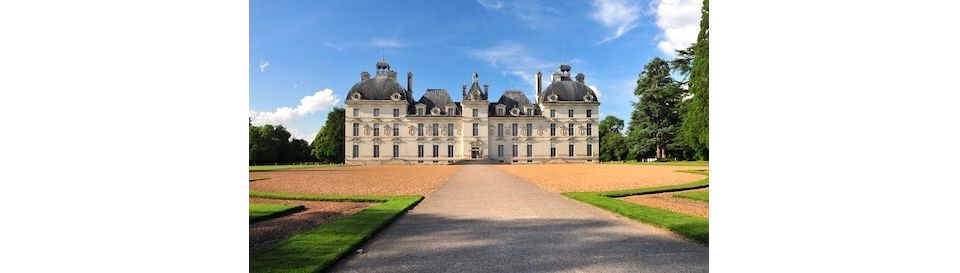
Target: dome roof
(380,87)
(565,89)
(382,64)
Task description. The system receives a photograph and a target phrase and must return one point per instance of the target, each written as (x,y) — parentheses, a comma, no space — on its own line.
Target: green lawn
(697,195)
(317,249)
(260,211)
(693,227)
(670,163)
(267,168)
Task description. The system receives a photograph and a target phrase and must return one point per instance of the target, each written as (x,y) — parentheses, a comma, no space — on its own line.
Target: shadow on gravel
(431,243)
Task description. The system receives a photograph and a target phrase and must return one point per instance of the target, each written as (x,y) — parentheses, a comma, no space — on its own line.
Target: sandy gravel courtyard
(356,180)
(601,177)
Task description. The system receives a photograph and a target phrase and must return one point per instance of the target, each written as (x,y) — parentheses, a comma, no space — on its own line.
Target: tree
(610,124)
(683,63)
(299,151)
(656,116)
(329,144)
(612,144)
(695,130)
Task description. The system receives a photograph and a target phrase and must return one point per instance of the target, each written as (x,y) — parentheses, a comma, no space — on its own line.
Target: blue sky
(305,55)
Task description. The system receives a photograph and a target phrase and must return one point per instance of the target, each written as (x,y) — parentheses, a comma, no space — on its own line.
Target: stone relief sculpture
(366,129)
(582,130)
(412,130)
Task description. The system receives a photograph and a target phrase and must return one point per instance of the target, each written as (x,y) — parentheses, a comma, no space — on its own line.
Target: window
(376,129)
(570,113)
(513,129)
(500,111)
(376,151)
(420,111)
(553,150)
(499,150)
(396,129)
(589,113)
(553,113)
(589,149)
(376,112)
(450,150)
(356,150)
(499,129)
(570,129)
(553,129)
(529,129)
(419,129)
(396,150)
(449,129)
(420,150)
(356,129)
(436,129)
(356,112)
(589,129)
(396,112)
(529,150)
(476,129)
(570,152)
(514,154)
(436,150)
(476,112)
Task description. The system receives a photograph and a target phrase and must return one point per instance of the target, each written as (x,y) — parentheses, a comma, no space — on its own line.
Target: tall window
(589,129)
(500,150)
(553,113)
(396,129)
(553,129)
(476,129)
(513,129)
(499,129)
(376,151)
(476,112)
(449,129)
(376,129)
(356,112)
(376,112)
(570,152)
(396,112)
(589,149)
(529,150)
(420,150)
(396,150)
(589,113)
(570,113)
(420,111)
(419,129)
(450,150)
(500,111)
(436,129)
(553,150)
(570,129)
(514,150)
(356,129)
(436,150)
(529,129)
(356,150)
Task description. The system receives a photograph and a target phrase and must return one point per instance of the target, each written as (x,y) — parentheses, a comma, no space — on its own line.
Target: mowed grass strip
(261,211)
(668,163)
(703,183)
(697,195)
(267,168)
(318,249)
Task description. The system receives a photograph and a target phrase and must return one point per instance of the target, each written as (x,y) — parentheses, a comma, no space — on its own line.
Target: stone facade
(385,125)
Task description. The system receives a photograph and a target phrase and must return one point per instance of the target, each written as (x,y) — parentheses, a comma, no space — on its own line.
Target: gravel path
(675,204)
(600,177)
(356,180)
(485,220)
(267,233)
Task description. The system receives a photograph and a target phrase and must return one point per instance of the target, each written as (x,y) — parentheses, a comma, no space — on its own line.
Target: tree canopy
(272,144)
(695,129)
(656,116)
(329,144)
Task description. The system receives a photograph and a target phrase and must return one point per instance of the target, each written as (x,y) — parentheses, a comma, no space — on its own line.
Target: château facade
(385,125)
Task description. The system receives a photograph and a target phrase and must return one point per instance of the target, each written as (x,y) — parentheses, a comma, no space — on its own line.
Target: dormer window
(355,96)
(588,98)
(420,111)
(552,97)
(450,111)
(501,109)
(395,97)
(435,111)
(515,112)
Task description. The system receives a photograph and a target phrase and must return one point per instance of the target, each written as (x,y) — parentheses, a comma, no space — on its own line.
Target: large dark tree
(695,130)
(612,144)
(269,144)
(656,116)
(329,144)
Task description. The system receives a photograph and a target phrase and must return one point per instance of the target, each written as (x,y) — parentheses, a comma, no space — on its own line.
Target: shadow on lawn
(432,243)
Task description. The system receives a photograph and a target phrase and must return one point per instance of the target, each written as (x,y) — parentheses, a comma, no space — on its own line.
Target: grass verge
(697,195)
(317,249)
(267,168)
(258,179)
(668,163)
(692,227)
(260,211)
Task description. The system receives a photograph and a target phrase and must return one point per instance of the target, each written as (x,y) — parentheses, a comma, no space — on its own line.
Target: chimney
(486,90)
(464,90)
(580,77)
(410,81)
(364,76)
(539,87)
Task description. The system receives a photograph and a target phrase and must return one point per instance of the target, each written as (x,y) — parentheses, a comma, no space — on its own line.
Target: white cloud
(323,99)
(617,15)
(383,42)
(595,90)
(263,66)
(490,4)
(576,61)
(513,59)
(680,22)
(294,133)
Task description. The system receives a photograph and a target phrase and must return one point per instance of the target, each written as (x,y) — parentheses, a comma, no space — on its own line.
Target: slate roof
(511,99)
(567,89)
(437,98)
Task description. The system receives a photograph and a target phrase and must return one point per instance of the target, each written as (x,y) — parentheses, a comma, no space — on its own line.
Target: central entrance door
(476,153)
